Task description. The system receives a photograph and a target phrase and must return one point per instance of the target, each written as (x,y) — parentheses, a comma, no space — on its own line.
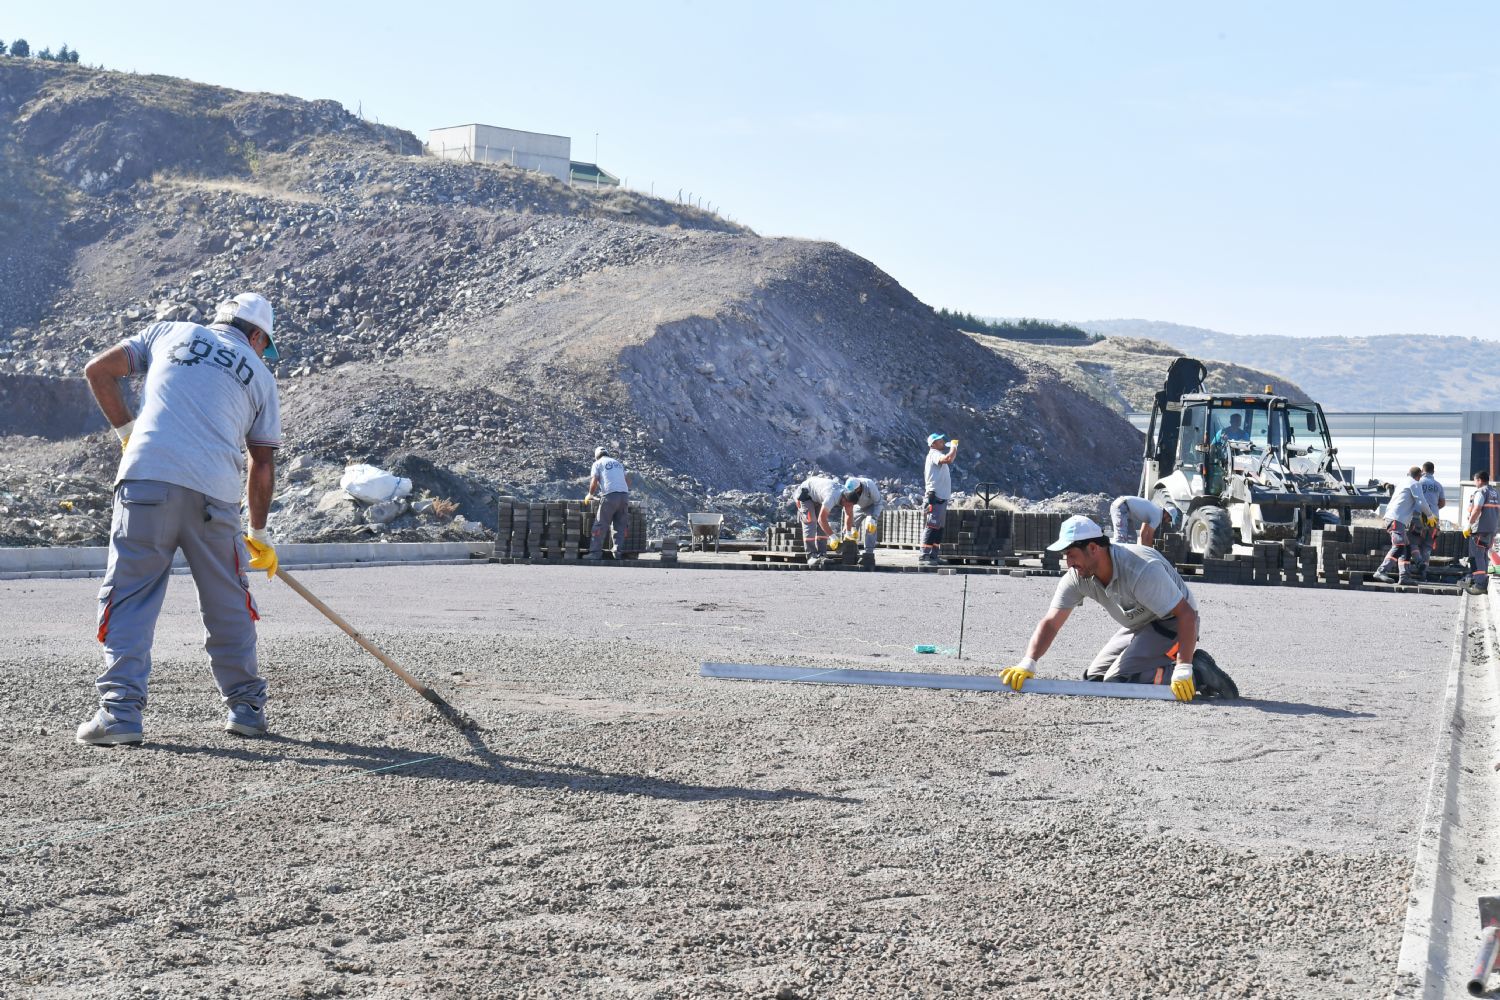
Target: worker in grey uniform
(208,399)
(863,505)
(817,497)
(609,480)
(1131,514)
(1406,512)
(1158,638)
(1480,525)
(938,484)
(1423,542)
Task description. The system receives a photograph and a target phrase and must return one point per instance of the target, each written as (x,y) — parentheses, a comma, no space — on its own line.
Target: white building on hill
(549,154)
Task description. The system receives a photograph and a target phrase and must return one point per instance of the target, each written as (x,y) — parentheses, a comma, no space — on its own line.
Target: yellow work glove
(1467,529)
(953,443)
(588,499)
(834,542)
(262,552)
(123,433)
(1182,682)
(1017,675)
(1432,522)
(871,526)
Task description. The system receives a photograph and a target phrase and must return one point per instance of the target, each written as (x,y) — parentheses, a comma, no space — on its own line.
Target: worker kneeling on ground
(862,507)
(1158,637)
(1128,515)
(817,498)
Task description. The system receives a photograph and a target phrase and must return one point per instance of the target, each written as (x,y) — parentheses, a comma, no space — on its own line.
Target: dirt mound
(498,324)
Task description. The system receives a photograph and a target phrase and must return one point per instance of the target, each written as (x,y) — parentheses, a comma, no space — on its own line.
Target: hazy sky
(1301,168)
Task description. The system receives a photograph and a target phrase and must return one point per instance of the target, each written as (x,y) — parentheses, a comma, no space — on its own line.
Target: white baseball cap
(1075,529)
(256,311)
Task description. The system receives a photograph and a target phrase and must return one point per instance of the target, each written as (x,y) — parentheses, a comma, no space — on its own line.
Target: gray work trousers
(1423,539)
(1135,656)
(814,542)
(152,520)
(613,519)
(864,520)
(1479,558)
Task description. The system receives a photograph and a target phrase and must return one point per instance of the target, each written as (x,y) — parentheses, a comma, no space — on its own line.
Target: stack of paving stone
(669,548)
(556,530)
(902,528)
(976,534)
(784,536)
(1032,531)
(1173,545)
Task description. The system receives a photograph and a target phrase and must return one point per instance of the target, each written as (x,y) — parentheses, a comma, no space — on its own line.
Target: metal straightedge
(950,682)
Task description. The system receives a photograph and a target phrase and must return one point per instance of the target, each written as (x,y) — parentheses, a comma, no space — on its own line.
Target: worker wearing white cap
(1158,637)
(208,400)
(939,486)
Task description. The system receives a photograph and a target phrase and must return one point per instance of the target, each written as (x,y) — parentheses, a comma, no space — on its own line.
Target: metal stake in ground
(446,710)
(963,610)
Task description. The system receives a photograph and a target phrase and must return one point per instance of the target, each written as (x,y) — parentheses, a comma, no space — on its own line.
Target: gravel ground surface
(624,828)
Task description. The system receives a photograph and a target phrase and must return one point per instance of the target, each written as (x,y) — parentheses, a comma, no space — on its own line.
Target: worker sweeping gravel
(863,505)
(208,399)
(609,479)
(1136,519)
(817,498)
(1158,637)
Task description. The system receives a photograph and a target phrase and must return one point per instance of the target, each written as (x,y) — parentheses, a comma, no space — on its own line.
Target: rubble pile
(491,322)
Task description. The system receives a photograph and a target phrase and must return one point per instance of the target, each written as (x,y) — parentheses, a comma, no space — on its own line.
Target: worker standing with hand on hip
(939,490)
(608,477)
(208,399)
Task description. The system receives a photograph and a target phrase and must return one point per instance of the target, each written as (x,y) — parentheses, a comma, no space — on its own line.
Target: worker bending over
(1129,514)
(1406,512)
(817,498)
(1158,637)
(862,507)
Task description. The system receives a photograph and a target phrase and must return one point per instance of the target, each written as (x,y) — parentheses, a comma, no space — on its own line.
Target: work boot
(1406,580)
(594,557)
(867,560)
(105,730)
(1382,577)
(245,720)
(1210,680)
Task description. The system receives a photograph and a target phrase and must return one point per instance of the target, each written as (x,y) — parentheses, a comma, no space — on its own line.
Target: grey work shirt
(1406,501)
(1140,510)
(936,475)
(826,492)
(1432,490)
(207,396)
(1487,500)
(611,475)
(1144,588)
(869,495)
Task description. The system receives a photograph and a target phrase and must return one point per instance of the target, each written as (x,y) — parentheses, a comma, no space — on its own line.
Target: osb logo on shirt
(199,350)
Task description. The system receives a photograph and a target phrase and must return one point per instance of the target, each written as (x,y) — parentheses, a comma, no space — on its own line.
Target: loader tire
(1210,534)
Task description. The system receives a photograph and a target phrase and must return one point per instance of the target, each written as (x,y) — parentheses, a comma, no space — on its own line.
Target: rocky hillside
(1402,373)
(479,321)
(1124,373)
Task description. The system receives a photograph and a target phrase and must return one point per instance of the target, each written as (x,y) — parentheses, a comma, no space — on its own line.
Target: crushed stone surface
(625,828)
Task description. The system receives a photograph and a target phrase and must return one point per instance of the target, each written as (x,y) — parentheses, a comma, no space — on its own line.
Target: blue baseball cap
(1075,529)
(935,438)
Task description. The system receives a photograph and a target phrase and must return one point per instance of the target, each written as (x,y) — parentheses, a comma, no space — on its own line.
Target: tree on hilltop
(20,48)
(47,55)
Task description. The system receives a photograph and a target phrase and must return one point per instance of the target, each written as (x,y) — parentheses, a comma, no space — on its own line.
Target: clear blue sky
(1273,167)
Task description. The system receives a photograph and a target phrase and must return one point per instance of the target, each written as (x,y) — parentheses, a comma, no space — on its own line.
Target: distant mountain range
(1401,373)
